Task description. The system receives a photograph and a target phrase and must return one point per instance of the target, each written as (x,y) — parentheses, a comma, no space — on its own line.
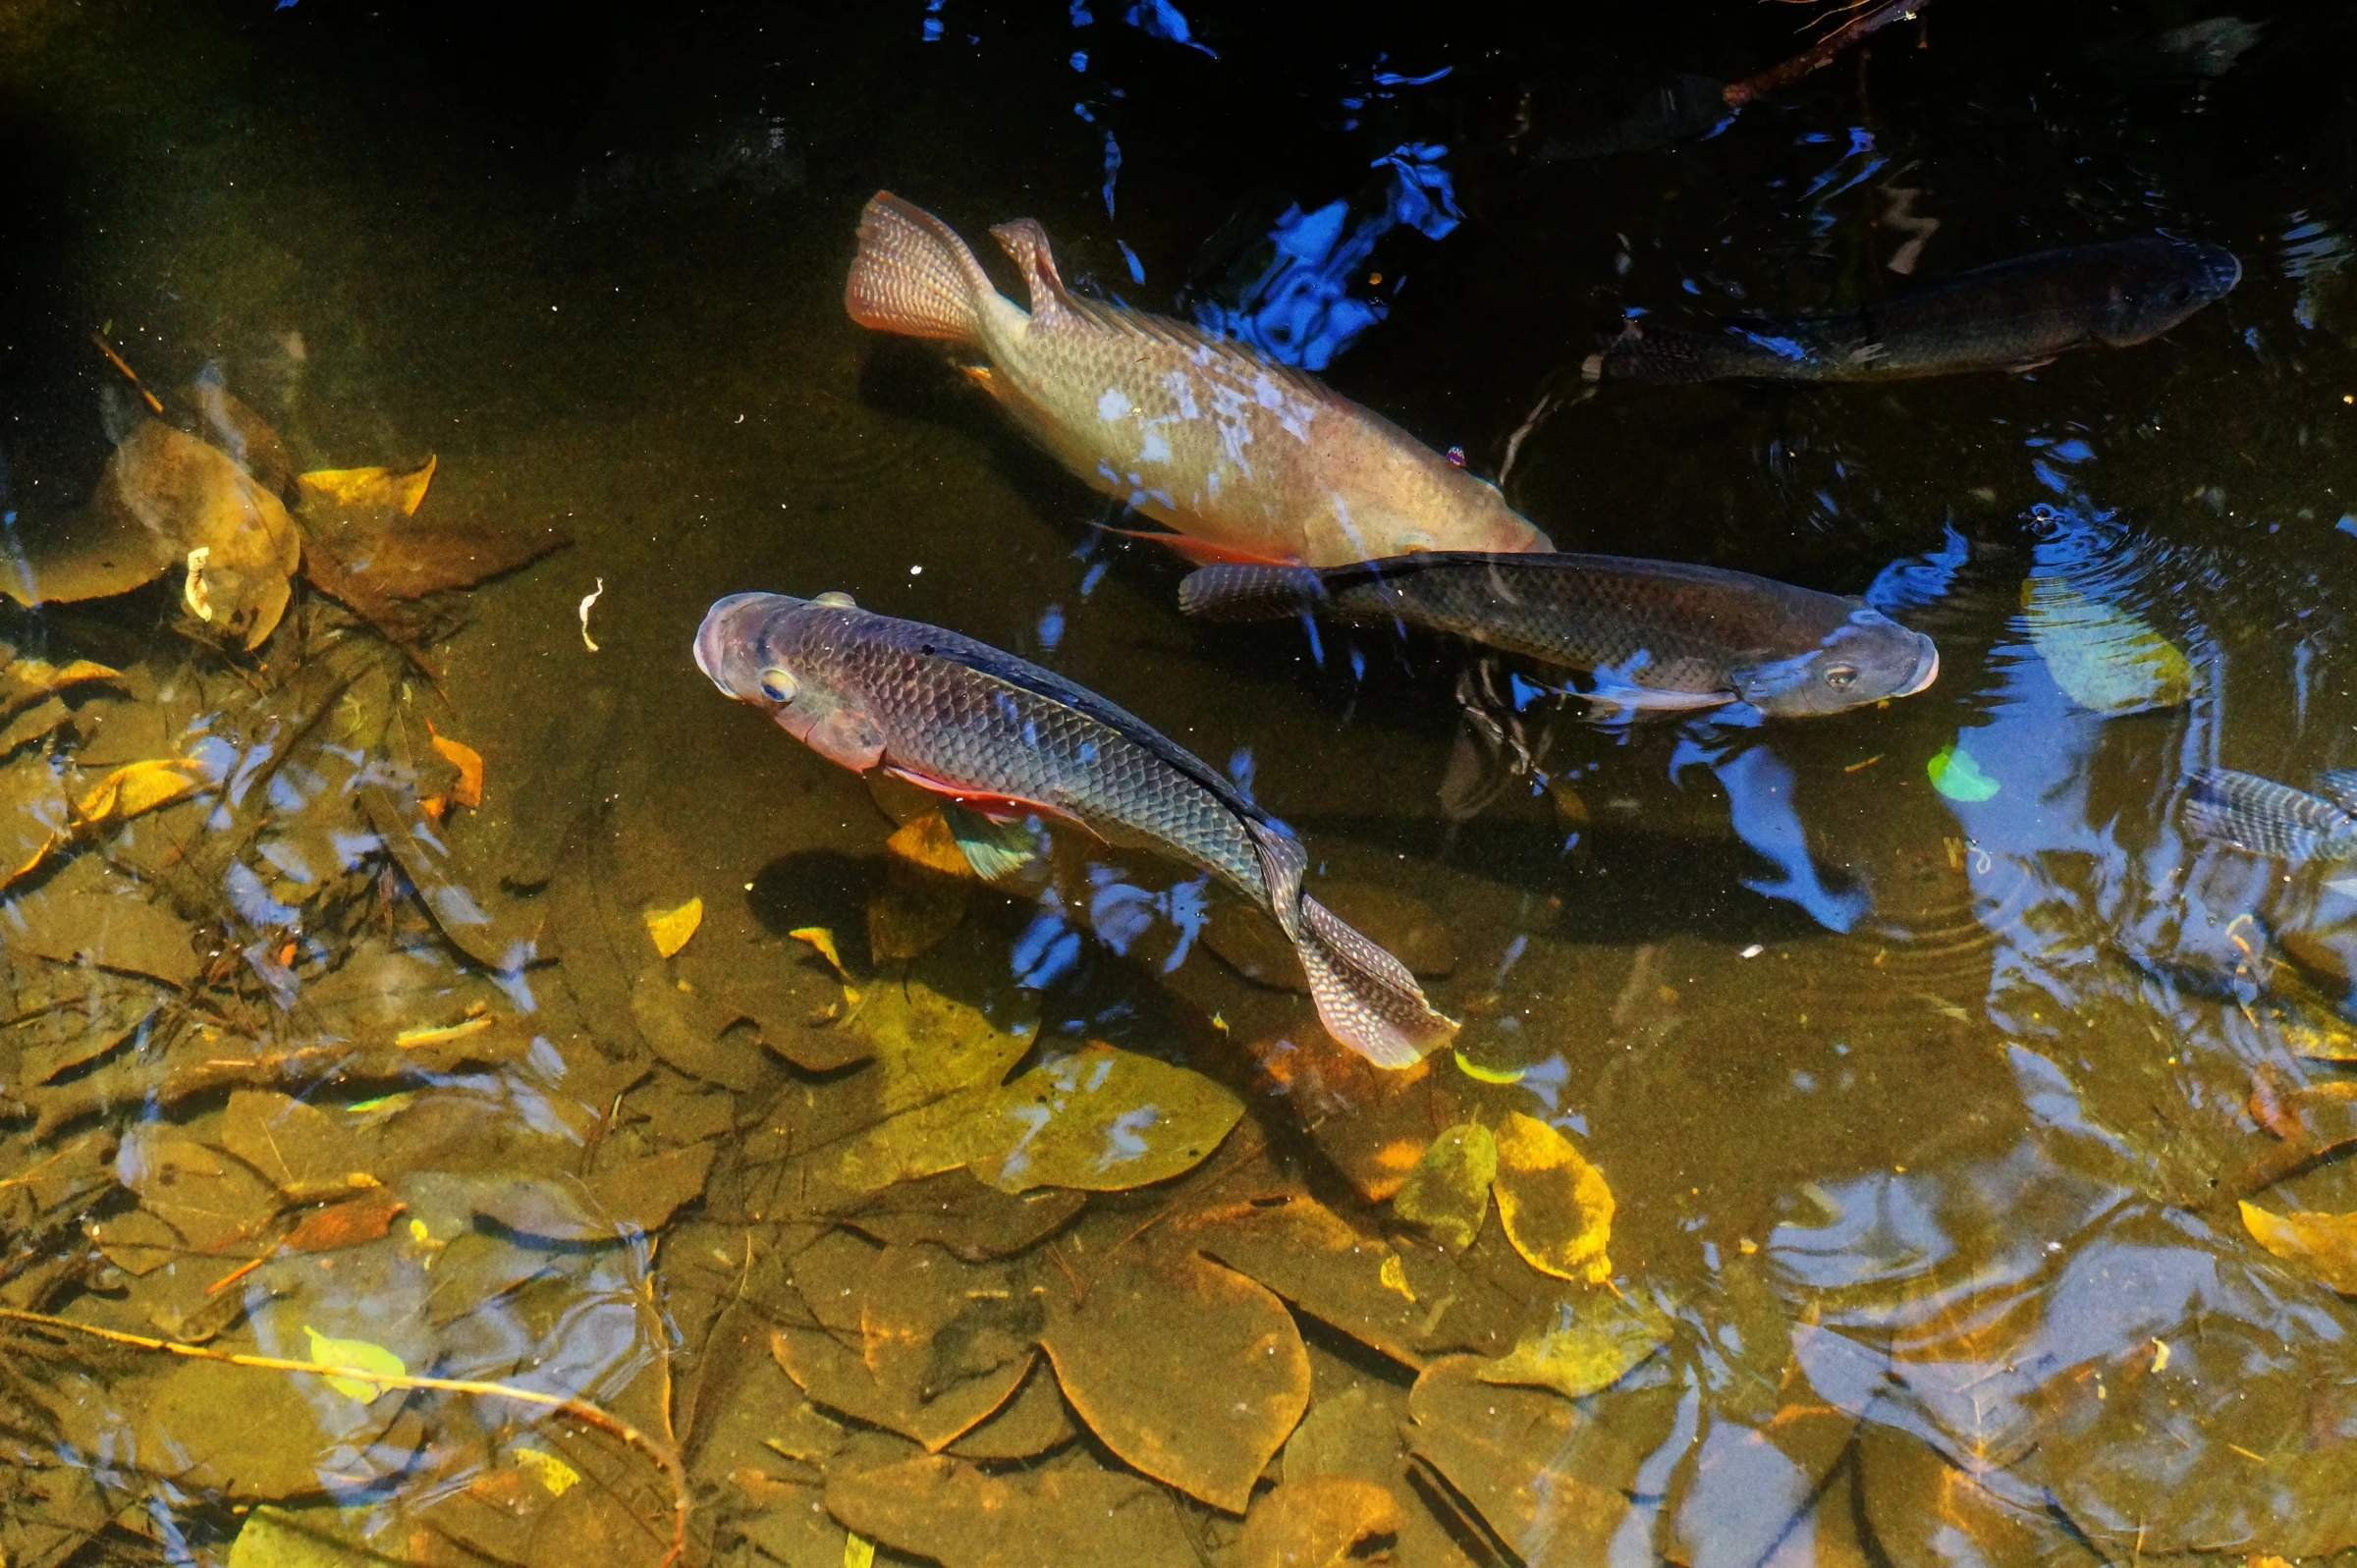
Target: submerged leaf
(1554,1205)
(274,1538)
(915,912)
(359,1356)
(2100,656)
(1448,1191)
(401,490)
(1189,1372)
(955,1514)
(237,538)
(139,787)
(468,790)
(1318,1522)
(671,928)
(2325,1244)
(1956,775)
(1594,1342)
(1102,1120)
(25,681)
(1521,1459)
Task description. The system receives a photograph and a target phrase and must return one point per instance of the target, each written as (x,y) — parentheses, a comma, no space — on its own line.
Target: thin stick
(1822,53)
(565,1404)
(154,404)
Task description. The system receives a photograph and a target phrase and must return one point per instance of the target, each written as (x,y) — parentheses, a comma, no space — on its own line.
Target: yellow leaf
(1491,1075)
(2325,1244)
(468,790)
(551,1471)
(1393,1276)
(671,928)
(1554,1206)
(927,841)
(402,489)
(355,1354)
(141,787)
(1447,1193)
(27,680)
(820,938)
(858,1550)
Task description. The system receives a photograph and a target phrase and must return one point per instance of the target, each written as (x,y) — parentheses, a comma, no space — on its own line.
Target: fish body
(1244,458)
(2013,316)
(2268,817)
(1656,633)
(970,722)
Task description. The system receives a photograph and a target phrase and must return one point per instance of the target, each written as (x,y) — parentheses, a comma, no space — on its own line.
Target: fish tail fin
(2267,818)
(1234,592)
(1366,998)
(913,276)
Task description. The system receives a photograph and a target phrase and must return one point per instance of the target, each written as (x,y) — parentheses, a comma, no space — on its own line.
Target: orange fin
(1202,551)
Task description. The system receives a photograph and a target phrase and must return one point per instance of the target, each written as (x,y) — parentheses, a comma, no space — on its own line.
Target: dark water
(1926,1119)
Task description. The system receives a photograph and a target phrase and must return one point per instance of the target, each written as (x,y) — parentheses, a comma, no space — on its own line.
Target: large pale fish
(1652,634)
(1246,460)
(1004,737)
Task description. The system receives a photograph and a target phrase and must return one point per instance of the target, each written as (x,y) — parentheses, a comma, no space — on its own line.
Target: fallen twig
(1823,52)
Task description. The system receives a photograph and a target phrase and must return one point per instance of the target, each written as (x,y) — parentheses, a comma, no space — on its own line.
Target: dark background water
(592,257)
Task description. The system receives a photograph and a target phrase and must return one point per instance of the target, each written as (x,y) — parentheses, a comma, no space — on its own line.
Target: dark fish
(1004,735)
(1655,633)
(2268,817)
(2013,316)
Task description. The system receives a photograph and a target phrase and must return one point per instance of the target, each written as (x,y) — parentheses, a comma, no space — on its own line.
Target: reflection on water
(1906,1134)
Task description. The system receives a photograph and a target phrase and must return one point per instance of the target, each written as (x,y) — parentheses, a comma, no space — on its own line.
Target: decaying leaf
(908,1339)
(926,843)
(306,1153)
(25,681)
(2102,657)
(937,1068)
(1133,1356)
(2325,1244)
(671,928)
(914,911)
(1321,1522)
(315,1538)
(1518,1458)
(1102,1120)
(1554,1205)
(203,510)
(1448,1191)
(1314,1259)
(963,1517)
(1595,1341)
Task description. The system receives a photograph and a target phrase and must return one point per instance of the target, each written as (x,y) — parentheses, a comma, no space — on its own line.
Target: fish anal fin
(994,847)
(1202,551)
(1028,243)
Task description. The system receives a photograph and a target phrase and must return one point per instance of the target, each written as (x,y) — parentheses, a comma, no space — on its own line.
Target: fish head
(766,650)
(1868,658)
(2159,285)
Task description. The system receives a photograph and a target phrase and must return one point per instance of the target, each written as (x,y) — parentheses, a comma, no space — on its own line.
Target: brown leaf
(914,911)
(1521,1459)
(1322,1522)
(1447,1193)
(303,1150)
(2325,1244)
(927,844)
(948,1512)
(954,1211)
(25,681)
(235,538)
(1311,1257)
(1188,1371)
(1025,1426)
(400,490)
(1100,1119)
(908,1339)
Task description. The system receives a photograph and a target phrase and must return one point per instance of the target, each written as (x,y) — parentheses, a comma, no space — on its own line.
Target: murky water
(1926,1053)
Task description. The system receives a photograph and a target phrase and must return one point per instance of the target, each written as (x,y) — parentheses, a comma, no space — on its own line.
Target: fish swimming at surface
(1244,458)
(2015,316)
(1007,737)
(1655,633)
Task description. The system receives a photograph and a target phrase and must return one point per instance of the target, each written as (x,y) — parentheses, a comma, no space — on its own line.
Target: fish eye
(1840,677)
(779,685)
(836,599)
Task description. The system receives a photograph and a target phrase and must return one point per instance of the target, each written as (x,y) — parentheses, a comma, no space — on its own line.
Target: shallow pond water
(1870,1139)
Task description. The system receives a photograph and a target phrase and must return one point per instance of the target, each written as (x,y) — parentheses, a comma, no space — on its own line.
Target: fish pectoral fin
(993,847)
(848,739)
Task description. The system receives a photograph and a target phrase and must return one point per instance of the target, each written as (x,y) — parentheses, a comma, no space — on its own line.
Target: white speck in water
(1752,951)
(916,571)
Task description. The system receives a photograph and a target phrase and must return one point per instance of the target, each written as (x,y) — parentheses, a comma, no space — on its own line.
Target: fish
(1655,634)
(2015,316)
(1003,736)
(2267,818)
(1241,457)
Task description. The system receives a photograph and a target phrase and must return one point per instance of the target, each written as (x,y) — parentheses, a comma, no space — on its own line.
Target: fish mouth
(1927,667)
(712,638)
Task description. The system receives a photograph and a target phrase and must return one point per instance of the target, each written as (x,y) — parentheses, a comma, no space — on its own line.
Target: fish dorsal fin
(1028,243)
